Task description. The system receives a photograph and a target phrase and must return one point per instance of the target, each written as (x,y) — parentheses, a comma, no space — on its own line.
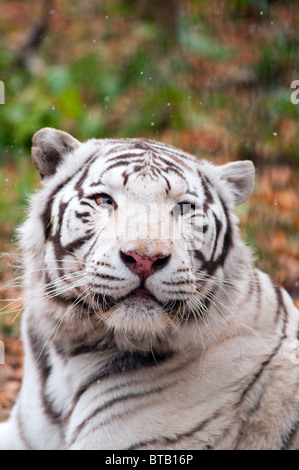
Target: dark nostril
(127,259)
(160,263)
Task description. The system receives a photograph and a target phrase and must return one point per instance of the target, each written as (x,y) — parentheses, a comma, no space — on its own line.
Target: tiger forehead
(145,161)
(147,153)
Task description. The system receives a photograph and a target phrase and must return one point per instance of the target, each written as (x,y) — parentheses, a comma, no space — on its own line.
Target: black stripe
(264,365)
(178,283)
(179,437)
(137,168)
(167,182)
(124,364)
(127,362)
(90,248)
(55,238)
(88,204)
(60,250)
(228,239)
(155,173)
(291,440)
(170,166)
(207,192)
(78,186)
(41,358)
(174,153)
(219,226)
(173,169)
(210,265)
(107,276)
(47,213)
(82,215)
(100,345)
(126,156)
(259,373)
(119,151)
(115,165)
(110,403)
(253,408)
(77,244)
(280,302)
(125,177)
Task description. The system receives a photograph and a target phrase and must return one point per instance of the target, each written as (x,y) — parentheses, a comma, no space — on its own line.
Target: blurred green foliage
(277,57)
(123,82)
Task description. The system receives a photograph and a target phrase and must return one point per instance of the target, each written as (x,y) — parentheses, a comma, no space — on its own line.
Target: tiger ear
(239,177)
(49,147)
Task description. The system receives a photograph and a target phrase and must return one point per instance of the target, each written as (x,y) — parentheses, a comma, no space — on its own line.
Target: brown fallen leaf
(11,374)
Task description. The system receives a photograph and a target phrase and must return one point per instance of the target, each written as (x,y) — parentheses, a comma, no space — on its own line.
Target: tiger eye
(105,200)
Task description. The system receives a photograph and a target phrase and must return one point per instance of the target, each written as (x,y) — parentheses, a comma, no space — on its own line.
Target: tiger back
(146,324)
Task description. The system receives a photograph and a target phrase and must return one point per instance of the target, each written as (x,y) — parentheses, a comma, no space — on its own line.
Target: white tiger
(135,340)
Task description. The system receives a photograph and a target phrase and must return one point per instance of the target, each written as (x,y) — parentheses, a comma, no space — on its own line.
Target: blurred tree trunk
(164,12)
(34,36)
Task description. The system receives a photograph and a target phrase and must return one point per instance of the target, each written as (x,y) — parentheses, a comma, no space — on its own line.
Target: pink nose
(144,266)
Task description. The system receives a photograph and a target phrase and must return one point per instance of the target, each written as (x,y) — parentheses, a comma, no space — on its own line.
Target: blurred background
(211,77)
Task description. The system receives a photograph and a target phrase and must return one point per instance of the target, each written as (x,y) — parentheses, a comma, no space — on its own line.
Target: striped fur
(206,360)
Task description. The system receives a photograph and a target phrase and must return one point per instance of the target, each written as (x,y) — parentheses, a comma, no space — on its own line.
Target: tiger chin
(146,324)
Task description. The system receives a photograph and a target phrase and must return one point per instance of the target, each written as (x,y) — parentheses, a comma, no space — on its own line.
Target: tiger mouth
(140,293)
(143,294)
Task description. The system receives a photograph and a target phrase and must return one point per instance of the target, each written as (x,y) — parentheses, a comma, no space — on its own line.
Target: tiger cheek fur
(136,334)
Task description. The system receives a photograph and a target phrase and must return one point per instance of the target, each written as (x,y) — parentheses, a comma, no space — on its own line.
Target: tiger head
(135,236)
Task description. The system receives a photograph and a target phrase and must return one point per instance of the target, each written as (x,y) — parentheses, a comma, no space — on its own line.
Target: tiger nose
(144,266)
